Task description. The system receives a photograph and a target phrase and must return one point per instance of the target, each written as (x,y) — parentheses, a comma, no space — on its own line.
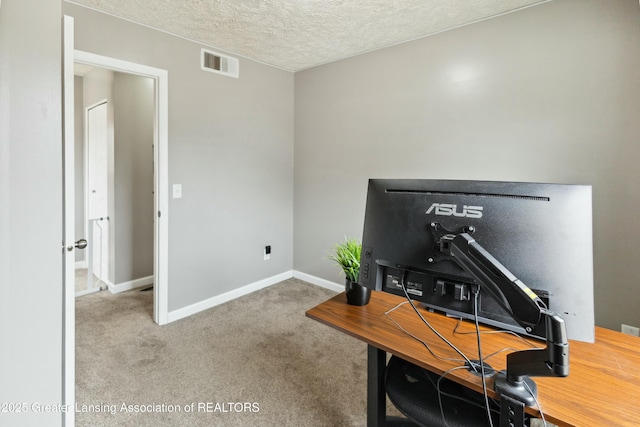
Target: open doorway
(114,115)
(132,78)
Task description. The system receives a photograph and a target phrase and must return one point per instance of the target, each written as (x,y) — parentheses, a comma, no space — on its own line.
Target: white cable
(535,399)
(452,396)
(470,364)
(484,380)
(456,349)
(421,341)
(499,331)
(440,393)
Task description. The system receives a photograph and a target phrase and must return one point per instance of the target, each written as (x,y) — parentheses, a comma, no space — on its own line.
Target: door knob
(80,244)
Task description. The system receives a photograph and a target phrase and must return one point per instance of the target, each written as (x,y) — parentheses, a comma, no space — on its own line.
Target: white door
(69,331)
(97,197)
(97,159)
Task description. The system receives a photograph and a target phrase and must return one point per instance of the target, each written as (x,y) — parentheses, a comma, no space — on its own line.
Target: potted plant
(347,255)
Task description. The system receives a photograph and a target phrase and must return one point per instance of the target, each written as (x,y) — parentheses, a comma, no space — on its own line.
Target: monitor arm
(523,305)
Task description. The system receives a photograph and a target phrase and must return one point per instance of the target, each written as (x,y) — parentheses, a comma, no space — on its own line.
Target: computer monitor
(542,233)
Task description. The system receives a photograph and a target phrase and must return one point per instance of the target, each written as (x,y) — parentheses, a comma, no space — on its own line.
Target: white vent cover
(218,63)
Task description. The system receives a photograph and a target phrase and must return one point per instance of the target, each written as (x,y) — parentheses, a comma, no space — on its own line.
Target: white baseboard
(132,284)
(318,281)
(181,313)
(87,291)
(189,310)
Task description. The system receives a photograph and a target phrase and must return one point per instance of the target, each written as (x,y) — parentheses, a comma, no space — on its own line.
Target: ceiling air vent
(218,63)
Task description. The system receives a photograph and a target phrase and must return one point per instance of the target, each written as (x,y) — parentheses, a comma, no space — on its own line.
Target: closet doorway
(92,190)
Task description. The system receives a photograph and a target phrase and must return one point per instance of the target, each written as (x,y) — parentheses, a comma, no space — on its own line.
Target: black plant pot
(356,293)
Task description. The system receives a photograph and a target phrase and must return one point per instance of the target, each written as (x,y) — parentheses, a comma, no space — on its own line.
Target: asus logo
(445,209)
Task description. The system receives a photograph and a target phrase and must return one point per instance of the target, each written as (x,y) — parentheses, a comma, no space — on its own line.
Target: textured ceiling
(299,34)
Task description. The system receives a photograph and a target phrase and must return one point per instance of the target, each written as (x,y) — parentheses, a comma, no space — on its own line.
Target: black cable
(476,293)
(457,350)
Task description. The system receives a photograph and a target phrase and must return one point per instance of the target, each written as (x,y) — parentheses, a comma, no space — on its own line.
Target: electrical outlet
(267,252)
(630,330)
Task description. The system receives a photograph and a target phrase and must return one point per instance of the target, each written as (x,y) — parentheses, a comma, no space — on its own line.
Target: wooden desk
(602,389)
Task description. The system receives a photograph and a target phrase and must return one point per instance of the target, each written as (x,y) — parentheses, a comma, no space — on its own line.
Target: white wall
(31,293)
(548,94)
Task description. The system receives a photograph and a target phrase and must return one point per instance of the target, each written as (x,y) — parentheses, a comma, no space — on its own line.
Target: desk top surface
(602,389)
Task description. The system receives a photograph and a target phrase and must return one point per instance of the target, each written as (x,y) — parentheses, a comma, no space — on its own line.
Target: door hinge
(159,214)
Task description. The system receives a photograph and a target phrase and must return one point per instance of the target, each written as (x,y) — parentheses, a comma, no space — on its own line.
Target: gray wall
(231,148)
(550,94)
(31,294)
(133,110)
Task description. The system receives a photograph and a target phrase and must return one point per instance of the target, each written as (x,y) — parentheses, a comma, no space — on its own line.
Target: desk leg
(376,397)
(511,412)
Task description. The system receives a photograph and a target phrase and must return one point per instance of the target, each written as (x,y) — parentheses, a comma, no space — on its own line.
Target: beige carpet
(254,361)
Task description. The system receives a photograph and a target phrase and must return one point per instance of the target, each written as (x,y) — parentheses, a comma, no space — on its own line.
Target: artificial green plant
(347,256)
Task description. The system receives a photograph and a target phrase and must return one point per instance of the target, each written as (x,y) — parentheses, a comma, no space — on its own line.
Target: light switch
(177,191)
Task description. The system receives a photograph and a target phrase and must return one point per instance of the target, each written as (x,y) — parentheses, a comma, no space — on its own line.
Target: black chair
(414,392)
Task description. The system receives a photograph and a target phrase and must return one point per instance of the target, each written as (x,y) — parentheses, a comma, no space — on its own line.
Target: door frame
(161,168)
